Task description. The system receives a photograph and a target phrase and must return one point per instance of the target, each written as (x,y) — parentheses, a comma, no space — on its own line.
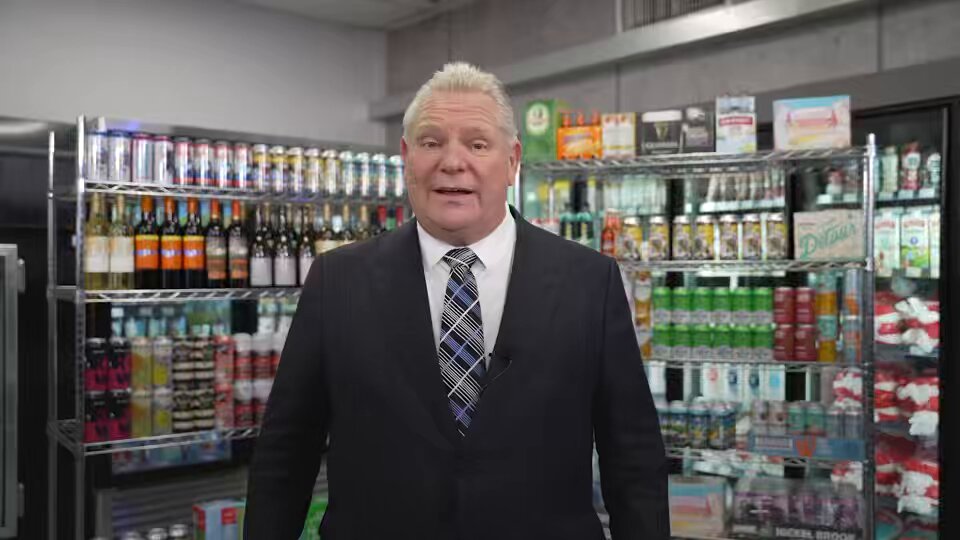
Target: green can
(702,305)
(682,307)
(742,342)
(662,341)
(742,309)
(761,337)
(662,305)
(722,306)
(702,342)
(761,305)
(682,342)
(722,342)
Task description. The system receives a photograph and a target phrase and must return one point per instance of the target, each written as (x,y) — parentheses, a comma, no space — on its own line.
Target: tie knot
(461,257)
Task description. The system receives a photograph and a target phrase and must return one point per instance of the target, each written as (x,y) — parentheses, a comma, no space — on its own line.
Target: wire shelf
(68,433)
(152,296)
(695,163)
(789,366)
(742,456)
(738,268)
(212,192)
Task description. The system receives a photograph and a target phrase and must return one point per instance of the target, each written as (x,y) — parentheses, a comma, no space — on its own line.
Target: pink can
(202,163)
(222,164)
(241,166)
(224,411)
(783,342)
(805,343)
(784,305)
(182,162)
(805,302)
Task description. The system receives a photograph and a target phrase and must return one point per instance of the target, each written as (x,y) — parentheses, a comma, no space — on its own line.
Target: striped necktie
(461,351)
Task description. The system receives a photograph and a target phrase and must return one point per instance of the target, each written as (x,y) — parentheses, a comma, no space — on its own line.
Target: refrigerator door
(9,289)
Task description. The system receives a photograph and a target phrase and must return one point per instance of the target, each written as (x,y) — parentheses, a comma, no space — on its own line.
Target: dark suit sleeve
(287,454)
(633,465)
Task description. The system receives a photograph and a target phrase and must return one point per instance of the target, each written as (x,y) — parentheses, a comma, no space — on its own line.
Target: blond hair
(463,77)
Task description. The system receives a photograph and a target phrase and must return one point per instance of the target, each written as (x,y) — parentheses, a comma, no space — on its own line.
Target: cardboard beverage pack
(807,123)
(828,235)
(538,130)
(698,129)
(660,132)
(736,124)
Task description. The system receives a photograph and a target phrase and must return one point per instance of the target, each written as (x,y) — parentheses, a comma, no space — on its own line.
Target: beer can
(118,402)
(294,174)
(182,162)
(662,305)
(777,244)
(682,340)
(679,423)
(776,417)
(784,305)
(658,243)
(278,169)
(805,306)
(805,343)
(835,422)
(742,308)
(762,341)
(364,175)
(760,417)
(852,292)
(243,404)
(96,424)
(120,364)
(704,237)
(827,350)
(853,422)
(162,411)
(118,154)
(261,168)
(816,419)
(262,355)
(141,369)
(222,164)
(702,342)
(223,359)
(722,342)
(783,343)
(96,365)
(682,238)
(162,371)
(141,414)
(202,162)
(702,305)
(699,426)
(312,172)
(398,180)
(242,161)
(682,304)
(761,305)
(347,185)
(752,238)
(331,173)
(182,414)
(796,418)
(662,342)
(243,366)
(729,237)
(381,179)
(162,167)
(851,339)
(742,343)
(224,409)
(733,389)
(97,156)
(141,158)
(722,312)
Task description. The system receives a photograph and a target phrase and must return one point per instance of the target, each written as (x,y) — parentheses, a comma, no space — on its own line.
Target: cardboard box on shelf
(619,135)
(660,132)
(809,123)
(697,505)
(828,235)
(736,125)
(538,130)
(698,129)
(581,138)
(218,520)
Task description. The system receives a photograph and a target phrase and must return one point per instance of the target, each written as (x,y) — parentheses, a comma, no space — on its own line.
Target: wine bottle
(326,238)
(194,264)
(261,257)
(237,249)
(216,249)
(285,254)
(171,247)
(146,243)
(96,247)
(121,247)
(308,248)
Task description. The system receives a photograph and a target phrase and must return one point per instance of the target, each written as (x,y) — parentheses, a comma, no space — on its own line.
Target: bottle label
(121,255)
(305,263)
(193,253)
(239,266)
(147,254)
(216,258)
(171,252)
(261,272)
(96,255)
(285,271)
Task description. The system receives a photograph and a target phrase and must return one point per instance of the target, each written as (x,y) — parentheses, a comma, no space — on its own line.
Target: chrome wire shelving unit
(166,296)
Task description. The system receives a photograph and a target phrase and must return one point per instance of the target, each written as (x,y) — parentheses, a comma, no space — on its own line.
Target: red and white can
(222,162)
(784,305)
(224,405)
(783,342)
(805,343)
(202,163)
(162,160)
(805,306)
(241,166)
(141,158)
(223,354)
(182,162)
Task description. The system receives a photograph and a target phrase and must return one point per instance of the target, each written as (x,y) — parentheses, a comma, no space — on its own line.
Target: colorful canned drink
(834,422)
(816,419)
(783,343)
(729,237)
(243,403)
(224,414)
(777,243)
(805,343)
(141,414)
(698,433)
(141,369)
(118,377)
(752,238)
(679,423)
(182,162)
(742,343)
(242,160)
(662,305)
(805,306)
(96,423)
(141,158)
(733,389)
(853,422)
(722,312)
(722,342)
(202,162)
(826,350)
(162,168)
(702,341)
(784,305)
(730,424)
(162,370)
(312,171)
(776,417)
(761,305)
(796,418)
(682,306)
(658,245)
(702,305)
(762,340)
(381,179)
(118,154)
(717,434)
(243,366)
(397,179)
(760,417)
(364,176)
(347,183)
(223,355)
(662,342)
(682,238)
(222,163)
(295,170)
(331,173)
(96,371)
(119,403)
(742,309)
(97,156)
(278,169)
(852,292)
(260,174)
(682,342)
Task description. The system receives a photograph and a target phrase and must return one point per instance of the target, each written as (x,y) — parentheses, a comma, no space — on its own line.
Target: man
(462,366)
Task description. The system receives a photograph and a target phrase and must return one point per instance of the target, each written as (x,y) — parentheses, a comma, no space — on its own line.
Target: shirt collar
(490,250)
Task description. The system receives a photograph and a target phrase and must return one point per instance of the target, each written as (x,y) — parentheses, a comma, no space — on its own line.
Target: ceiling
(378,14)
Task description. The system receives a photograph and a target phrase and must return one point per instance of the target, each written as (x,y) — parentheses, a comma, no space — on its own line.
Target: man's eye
(479,145)
(430,143)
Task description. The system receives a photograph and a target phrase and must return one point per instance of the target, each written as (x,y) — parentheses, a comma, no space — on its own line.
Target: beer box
(218,520)
(915,242)
(698,129)
(538,130)
(886,241)
(828,235)
(619,135)
(579,142)
(817,122)
(736,125)
(660,132)
(697,505)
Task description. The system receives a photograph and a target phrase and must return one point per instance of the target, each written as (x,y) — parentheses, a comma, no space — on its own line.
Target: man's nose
(453,161)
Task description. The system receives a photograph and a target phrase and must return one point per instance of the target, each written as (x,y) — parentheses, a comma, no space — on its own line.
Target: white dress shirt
(492,270)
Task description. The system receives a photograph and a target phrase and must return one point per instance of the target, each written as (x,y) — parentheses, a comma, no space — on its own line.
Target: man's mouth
(453,191)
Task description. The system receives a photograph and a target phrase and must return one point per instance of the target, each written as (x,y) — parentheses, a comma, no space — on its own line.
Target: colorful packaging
(218,520)
(736,124)
(541,119)
(934,226)
(818,122)
(886,241)
(619,137)
(828,235)
(698,129)
(661,132)
(697,505)
(915,241)
(580,139)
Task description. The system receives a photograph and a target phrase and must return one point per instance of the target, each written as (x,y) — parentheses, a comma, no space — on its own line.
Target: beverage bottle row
(277,250)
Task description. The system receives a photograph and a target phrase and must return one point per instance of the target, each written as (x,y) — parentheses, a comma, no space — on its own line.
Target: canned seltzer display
(742,309)
(662,342)
(702,342)
(722,306)
(761,337)
(722,342)
(682,342)
(761,305)
(742,343)
(682,306)
(662,305)
(702,305)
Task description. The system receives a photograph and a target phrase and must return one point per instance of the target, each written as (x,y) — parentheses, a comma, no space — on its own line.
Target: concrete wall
(209,64)
(864,43)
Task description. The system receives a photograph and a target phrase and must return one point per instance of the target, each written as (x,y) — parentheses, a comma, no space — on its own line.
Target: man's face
(459,163)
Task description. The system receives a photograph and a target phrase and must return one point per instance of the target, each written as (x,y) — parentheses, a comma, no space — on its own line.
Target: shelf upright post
(52,375)
(867,345)
(80,314)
